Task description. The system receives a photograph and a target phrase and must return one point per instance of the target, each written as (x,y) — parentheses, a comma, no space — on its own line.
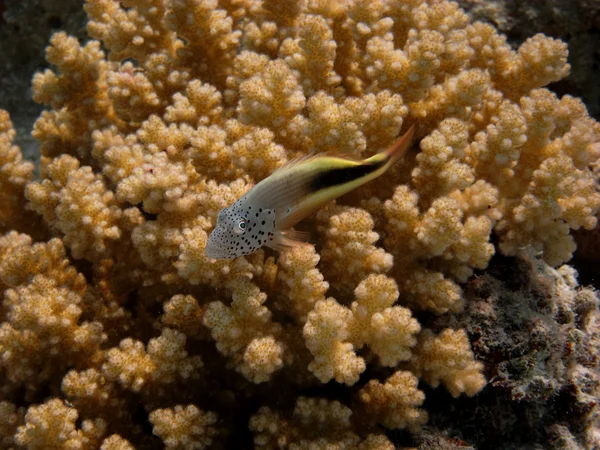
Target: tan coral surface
(173,110)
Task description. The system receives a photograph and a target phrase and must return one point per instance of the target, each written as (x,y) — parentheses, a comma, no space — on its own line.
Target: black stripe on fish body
(336,177)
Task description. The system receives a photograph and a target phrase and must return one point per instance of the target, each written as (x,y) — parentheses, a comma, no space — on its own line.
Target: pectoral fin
(283,240)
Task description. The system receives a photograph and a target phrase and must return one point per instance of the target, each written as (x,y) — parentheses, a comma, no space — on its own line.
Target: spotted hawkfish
(265,215)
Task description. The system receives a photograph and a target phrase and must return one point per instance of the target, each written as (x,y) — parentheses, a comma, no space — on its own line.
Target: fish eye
(241,227)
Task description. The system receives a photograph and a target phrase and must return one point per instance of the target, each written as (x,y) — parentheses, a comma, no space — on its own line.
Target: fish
(264,216)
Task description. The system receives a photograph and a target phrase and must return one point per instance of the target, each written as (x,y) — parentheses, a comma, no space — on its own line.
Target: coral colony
(118,332)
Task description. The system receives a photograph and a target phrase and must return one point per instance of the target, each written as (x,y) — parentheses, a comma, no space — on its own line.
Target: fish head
(239,232)
(224,240)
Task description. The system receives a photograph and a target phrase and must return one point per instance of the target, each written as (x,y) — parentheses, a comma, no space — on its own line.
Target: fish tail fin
(394,152)
(289,239)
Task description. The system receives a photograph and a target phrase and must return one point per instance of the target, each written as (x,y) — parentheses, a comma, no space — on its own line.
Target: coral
(184,427)
(176,108)
(333,332)
(349,251)
(78,204)
(314,423)
(10,419)
(573,22)
(326,334)
(396,402)
(116,442)
(53,425)
(26,29)
(94,395)
(78,96)
(312,54)
(388,330)
(21,261)
(245,331)
(448,359)
(164,361)
(14,174)
(42,334)
(302,284)
(183,313)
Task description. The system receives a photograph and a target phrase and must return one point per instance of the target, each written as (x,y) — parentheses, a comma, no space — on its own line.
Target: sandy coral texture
(118,332)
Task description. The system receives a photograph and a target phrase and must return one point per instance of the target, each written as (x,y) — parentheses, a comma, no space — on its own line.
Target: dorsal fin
(285,185)
(294,162)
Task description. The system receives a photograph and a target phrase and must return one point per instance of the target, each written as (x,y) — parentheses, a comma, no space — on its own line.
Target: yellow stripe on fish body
(269,210)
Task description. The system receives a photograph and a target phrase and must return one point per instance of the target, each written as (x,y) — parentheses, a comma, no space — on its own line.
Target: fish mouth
(210,250)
